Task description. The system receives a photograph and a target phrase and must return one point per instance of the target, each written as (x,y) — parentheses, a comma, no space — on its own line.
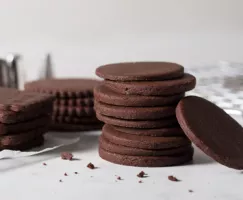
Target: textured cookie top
(16,100)
(140,71)
(64,87)
(212,130)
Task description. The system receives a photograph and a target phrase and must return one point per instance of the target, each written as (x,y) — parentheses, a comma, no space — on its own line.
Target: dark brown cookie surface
(88,102)
(26,145)
(212,130)
(41,121)
(75,127)
(124,150)
(142,142)
(145,161)
(135,113)
(161,123)
(109,96)
(20,138)
(155,132)
(154,88)
(77,88)
(73,111)
(137,71)
(11,117)
(75,120)
(16,100)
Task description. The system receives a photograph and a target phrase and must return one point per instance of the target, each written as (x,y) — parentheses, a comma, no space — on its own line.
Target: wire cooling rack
(222,84)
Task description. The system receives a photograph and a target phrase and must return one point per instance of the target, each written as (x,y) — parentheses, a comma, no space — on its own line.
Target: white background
(83,34)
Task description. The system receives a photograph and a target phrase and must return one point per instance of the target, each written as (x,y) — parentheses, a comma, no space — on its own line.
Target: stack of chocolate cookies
(24,118)
(73,107)
(137,102)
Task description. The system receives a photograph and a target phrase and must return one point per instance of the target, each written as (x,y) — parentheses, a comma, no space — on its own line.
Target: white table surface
(27,178)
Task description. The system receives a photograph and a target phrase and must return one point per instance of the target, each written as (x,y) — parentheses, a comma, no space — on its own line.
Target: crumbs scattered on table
(65,174)
(60,180)
(140,181)
(141,174)
(66,156)
(91,166)
(44,164)
(173,178)
(75,172)
(191,191)
(119,178)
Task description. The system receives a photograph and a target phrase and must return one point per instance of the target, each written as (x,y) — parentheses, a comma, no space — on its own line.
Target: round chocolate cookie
(75,120)
(69,88)
(76,111)
(135,113)
(142,142)
(146,161)
(161,123)
(106,95)
(155,132)
(140,71)
(154,88)
(75,127)
(212,130)
(124,150)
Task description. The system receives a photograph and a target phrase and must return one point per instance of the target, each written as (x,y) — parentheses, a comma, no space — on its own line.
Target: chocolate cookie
(11,117)
(124,150)
(135,113)
(106,95)
(80,111)
(154,88)
(75,127)
(6,129)
(85,102)
(142,142)
(20,138)
(212,130)
(146,161)
(19,101)
(27,145)
(161,123)
(64,88)
(75,120)
(140,71)
(155,132)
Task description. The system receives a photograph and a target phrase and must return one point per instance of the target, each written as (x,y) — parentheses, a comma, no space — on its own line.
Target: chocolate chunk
(66,156)
(91,166)
(172,178)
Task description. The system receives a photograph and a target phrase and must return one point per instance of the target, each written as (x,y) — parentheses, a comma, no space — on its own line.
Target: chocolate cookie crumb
(190,191)
(140,181)
(119,178)
(75,172)
(91,166)
(66,156)
(60,180)
(65,174)
(44,164)
(172,178)
(141,174)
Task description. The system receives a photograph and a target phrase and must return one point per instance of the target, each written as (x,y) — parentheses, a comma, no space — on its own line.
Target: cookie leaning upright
(24,118)
(137,101)
(73,108)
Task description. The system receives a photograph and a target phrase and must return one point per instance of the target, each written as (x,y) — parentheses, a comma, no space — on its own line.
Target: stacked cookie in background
(24,118)
(137,103)
(73,107)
